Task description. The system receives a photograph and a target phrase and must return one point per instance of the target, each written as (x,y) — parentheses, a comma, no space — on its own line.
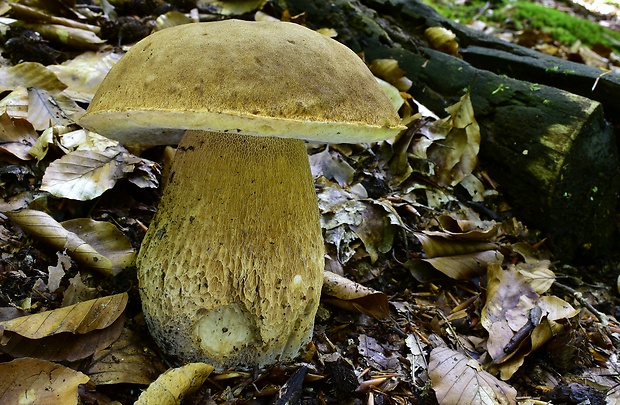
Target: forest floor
(445,297)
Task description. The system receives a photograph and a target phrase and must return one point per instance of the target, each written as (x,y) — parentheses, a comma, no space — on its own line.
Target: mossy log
(551,150)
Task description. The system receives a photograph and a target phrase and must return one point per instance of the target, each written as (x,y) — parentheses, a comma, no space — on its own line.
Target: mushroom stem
(231,269)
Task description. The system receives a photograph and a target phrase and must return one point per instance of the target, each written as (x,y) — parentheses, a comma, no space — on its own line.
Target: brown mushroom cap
(278,79)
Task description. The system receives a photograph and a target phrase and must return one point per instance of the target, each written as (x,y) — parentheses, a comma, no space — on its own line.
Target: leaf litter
(433,291)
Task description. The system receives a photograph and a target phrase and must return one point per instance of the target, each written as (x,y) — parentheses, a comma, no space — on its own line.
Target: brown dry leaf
(443,40)
(172,386)
(455,146)
(16,137)
(459,259)
(33,381)
(63,346)
(509,302)
(349,295)
(84,74)
(80,318)
(45,110)
(457,379)
(126,361)
(97,244)
(15,104)
(106,239)
(85,174)
(237,7)
(30,75)
(82,39)
(57,272)
(332,166)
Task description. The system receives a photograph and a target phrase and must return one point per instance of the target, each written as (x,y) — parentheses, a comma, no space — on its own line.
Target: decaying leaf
(457,379)
(84,174)
(64,346)
(376,356)
(79,318)
(34,381)
(174,384)
(509,302)
(99,245)
(417,358)
(16,137)
(57,272)
(461,250)
(332,166)
(518,319)
(83,74)
(30,75)
(237,7)
(349,295)
(45,110)
(450,144)
(126,361)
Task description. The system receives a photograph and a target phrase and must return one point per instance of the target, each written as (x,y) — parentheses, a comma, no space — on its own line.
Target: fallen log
(552,151)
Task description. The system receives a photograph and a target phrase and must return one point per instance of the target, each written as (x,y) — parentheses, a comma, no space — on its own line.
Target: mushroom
(231,268)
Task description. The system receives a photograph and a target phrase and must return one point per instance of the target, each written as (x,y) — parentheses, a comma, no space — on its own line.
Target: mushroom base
(231,269)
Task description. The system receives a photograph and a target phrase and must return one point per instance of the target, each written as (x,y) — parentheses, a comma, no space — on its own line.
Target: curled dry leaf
(451,144)
(64,346)
(443,40)
(80,318)
(16,137)
(349,295)
(96,244)
(457,379)
(82,39)
(126,361)
(174,384)
(33,381)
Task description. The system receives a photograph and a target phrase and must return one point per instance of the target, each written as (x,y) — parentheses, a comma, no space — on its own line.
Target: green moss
(561,26)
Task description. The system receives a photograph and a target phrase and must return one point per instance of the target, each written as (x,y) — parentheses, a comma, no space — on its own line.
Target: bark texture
(551,150)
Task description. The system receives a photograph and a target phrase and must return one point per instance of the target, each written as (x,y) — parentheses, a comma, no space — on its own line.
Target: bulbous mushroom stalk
(232,265)
(231,268)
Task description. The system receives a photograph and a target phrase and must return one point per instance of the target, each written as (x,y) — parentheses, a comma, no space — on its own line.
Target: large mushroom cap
(280,79)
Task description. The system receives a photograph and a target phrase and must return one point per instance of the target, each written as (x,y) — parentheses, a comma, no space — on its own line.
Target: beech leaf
(85,174)
(97,244)
(457,379)
(349,295)
(79,318)
(34,381)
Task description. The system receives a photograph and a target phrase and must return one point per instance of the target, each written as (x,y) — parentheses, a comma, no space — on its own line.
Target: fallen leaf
(97,244)
(457,379)
(173,385)
(83,74)
(16,137)
(349,295)
(84,175)
(126,361)
(64,346)
(79,318)
(30,75)
(33,381)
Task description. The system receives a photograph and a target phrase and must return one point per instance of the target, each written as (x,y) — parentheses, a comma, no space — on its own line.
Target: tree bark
(552,151)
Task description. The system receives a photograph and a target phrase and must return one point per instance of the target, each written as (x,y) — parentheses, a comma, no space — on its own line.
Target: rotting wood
(552,151)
